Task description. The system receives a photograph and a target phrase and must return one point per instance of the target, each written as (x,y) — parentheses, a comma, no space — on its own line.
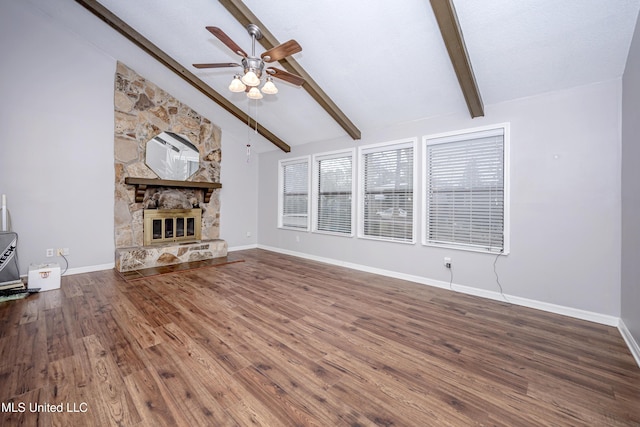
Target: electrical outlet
(59,251)
(49,252)
(248,234)
(447,262)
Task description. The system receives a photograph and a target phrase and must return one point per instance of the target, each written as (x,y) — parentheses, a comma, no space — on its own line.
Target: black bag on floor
(9,270)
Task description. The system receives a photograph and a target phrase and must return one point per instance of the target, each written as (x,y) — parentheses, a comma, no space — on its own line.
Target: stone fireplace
(143,111)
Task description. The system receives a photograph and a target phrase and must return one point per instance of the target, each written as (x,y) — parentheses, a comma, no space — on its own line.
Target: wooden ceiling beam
(244,15)
(454,41)
(123,28)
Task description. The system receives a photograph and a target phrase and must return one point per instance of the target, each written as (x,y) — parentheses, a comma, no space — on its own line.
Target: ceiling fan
(254,66)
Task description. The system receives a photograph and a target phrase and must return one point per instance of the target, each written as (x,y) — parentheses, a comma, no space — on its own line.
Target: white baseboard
(631,342)
(90,269)
(242,248)
(603,319)
(539,305)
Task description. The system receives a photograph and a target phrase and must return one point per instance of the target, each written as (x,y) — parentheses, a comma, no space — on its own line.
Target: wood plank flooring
(281,341)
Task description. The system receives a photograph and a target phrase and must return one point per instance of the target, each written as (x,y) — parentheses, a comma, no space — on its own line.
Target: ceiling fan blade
(281,51)
(286,76)
(217,65)
(227,41)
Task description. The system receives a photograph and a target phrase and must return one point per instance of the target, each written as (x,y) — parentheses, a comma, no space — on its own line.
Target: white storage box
(44,276)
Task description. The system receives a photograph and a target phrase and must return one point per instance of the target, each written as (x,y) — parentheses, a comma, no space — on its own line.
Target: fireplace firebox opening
(172,225)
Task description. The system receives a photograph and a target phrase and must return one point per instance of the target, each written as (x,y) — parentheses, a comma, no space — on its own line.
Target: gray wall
(56,166)
(631,191)
(565,204)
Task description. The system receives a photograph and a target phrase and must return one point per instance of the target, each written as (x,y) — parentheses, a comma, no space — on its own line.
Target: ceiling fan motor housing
(253,64)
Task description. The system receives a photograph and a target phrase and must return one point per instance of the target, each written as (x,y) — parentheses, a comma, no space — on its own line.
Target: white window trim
(281,164)
(382,146)
(315,190)
(507,185)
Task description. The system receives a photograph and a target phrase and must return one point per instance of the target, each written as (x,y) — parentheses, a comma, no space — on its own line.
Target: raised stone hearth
(138,258)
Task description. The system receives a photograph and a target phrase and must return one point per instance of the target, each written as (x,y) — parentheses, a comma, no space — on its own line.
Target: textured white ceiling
(384,62)
(523,48)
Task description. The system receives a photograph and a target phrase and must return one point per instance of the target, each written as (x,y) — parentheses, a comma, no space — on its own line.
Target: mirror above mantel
(172,156)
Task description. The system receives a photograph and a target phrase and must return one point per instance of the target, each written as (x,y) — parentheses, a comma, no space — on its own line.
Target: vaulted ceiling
(382,63)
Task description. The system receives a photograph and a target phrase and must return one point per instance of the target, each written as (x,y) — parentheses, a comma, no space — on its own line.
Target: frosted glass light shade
(269,88)
(250,79)
(254,93)
(237,85)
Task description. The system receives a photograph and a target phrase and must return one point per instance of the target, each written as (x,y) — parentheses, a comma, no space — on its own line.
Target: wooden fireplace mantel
(142,184)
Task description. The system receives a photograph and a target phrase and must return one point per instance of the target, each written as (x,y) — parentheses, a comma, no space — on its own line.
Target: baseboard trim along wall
(242,248)
(631,342)
(80,270)
(544,306)
(89,269)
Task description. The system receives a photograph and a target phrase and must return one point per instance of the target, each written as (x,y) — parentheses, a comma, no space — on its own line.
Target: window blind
(334,194)
(295,194)
(388,194)
(465,190)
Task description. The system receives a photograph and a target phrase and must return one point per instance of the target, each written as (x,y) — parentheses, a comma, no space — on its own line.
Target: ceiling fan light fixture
(269,87)
(250,79)
(254,93)
(237,85)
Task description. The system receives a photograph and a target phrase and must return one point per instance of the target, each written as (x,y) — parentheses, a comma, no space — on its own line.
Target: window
(333,192)
(386,184)
(466,190)
(293,203)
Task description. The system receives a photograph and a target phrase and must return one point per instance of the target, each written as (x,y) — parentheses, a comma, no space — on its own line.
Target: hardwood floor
(281,341)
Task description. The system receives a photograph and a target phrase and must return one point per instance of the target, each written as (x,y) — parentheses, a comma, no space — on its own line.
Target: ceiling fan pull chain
(248,131)
(256,129)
